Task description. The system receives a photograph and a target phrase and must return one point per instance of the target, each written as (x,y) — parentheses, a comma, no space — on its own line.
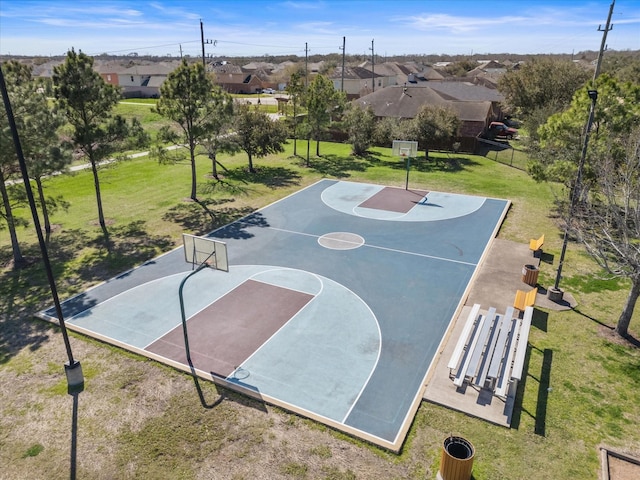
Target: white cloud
(302,5)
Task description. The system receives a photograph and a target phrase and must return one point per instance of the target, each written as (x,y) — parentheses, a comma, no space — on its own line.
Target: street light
(73,369)
(555,293)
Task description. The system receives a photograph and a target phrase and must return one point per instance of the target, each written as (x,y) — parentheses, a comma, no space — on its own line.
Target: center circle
(341,241)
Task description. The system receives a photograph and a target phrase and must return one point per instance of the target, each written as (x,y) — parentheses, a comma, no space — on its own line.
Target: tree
(295,89)
(219,127)
(88,102)
(322,101)
(17,77)
(360,123)
(622,65)
(558,151)
(460,69)
(542,84)
(43,150)
(257,135)
(608,221)
(434,124)
(388,129)
(186,97)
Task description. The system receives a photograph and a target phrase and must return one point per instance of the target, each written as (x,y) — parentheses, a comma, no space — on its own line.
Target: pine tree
(88,102)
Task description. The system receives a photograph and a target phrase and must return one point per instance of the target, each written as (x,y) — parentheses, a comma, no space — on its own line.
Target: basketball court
(332,303)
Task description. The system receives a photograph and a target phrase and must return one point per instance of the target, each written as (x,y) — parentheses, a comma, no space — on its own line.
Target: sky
(256,28)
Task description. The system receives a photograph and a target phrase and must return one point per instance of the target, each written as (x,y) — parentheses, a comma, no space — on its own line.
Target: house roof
(430,73)
(156,81)
(316,66)
(471,111)
(237,78)
(355,73)
(108,67)
(405,102)
(46,69)
(399,101)
(227,68)
(153,69)
(258,65)
(466,91)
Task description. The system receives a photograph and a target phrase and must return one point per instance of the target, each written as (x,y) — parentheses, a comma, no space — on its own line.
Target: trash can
(456,461)
(530,275)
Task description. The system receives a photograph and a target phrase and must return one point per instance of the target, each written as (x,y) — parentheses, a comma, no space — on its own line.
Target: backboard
(199,250)
(404,148)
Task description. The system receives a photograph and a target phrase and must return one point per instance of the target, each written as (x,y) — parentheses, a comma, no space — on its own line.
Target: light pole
(73,369)
(555,293)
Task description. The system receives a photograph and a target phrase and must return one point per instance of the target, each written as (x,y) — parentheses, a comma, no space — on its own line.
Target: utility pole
(555,293)
(202,43)
(373,68)
(603,44)
(306,65)
(344,39)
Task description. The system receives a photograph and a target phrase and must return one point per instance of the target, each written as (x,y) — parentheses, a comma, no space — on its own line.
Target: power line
(110,52)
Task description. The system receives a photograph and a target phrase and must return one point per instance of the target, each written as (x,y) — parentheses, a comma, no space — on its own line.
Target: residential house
(404,102)
(487,73)
(239,82)
(220,68)
(109,71)
(410,72)
(315,67)
(45,70)
(144,81)
(253,66)
(358,81)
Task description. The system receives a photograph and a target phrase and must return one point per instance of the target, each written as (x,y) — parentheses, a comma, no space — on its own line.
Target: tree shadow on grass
(78,259)
(274,177)
(339,166)
(22,292)
(204,216)
(26,291)
(131,245)
(450,164)
(241,229)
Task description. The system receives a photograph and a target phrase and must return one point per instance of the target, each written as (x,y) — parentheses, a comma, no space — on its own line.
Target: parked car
(268,90)
(499,129)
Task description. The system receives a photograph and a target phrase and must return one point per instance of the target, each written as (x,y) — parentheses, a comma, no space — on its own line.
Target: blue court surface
(335,305)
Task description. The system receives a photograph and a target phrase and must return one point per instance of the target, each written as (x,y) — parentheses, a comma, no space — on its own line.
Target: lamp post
(555,293)
(73,369)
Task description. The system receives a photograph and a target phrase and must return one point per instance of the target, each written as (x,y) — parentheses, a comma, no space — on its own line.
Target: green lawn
(142,110)
(138,419)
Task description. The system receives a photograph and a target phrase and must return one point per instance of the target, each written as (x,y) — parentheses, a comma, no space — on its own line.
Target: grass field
(138,419)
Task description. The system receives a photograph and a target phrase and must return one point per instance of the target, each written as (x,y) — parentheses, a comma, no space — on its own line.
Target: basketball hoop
(203,251)
(405,149)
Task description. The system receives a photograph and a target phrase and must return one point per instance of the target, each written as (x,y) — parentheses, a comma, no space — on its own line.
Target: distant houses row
(391,89)
(144,79)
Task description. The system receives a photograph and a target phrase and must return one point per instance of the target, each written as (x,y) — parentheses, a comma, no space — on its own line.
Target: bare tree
(608,221)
